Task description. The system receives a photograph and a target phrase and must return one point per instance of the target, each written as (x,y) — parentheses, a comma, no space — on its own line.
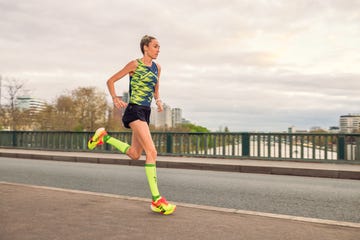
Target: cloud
(255,65)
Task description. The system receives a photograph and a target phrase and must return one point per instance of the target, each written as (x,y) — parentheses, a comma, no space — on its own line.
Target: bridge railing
(249,145)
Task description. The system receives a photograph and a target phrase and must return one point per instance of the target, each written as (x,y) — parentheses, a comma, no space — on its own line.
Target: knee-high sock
(150,170)
(119,145)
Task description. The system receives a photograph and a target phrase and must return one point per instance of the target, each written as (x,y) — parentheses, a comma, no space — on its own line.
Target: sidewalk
(328,170)
(41,213)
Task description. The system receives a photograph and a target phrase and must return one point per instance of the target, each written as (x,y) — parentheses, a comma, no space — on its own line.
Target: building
(161,119)
(293,129)
(316,129)
(176,116)
(334,129)
(170,117)
(29,103)
(125,97)
(350,123)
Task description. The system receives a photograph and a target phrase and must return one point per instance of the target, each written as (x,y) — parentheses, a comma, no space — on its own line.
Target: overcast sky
(250,65)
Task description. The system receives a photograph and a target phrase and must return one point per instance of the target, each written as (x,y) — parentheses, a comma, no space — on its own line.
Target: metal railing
(281,146)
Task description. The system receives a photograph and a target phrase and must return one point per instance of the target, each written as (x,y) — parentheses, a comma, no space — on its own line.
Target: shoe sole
(91,147)
(156,210)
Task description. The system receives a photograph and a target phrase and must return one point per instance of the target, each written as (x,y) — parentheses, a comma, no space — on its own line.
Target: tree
(0,91)
(84,109)
(90,108)
(65,113)
(189,127)
(3,118)
(13,88)
(46,118)
(114,119)
(59,116)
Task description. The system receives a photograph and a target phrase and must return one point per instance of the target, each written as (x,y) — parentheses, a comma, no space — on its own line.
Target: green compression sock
(119,145)
(150,170)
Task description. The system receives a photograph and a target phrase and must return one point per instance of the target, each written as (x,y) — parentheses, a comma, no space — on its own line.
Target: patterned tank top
(142,84)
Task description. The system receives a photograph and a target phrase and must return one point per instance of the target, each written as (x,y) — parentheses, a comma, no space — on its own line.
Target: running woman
(143,87)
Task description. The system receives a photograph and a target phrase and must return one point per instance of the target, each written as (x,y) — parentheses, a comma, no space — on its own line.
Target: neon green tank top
(142,84)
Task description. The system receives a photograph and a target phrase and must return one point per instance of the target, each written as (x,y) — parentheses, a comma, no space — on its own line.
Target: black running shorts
(136,112)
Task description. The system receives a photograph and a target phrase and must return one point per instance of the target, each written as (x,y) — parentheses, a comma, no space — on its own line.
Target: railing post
(357,150)
(14,141)
(169,143)
(341,147)
(245,139)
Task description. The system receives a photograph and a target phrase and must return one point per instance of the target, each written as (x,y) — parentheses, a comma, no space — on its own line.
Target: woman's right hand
(118,103)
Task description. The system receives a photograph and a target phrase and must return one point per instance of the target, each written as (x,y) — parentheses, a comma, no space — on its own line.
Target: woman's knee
(133,154)
(152,153)
(135,157)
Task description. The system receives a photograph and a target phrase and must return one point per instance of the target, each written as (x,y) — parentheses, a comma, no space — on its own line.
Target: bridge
(250,145)
(51,179)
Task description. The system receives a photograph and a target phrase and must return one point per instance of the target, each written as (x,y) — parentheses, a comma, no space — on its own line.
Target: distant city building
(125,97)
(334,129)
(315,128)
(185,121)
(176,116)
(161,119)
(29,103)
(350,123)
(293,129)
(169,117)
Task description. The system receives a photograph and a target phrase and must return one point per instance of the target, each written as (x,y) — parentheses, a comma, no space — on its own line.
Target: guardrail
(281,146)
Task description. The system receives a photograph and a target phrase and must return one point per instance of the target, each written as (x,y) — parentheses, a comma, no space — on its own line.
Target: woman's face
(153,49)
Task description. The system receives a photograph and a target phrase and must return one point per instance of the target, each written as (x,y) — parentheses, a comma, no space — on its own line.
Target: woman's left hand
(159,105)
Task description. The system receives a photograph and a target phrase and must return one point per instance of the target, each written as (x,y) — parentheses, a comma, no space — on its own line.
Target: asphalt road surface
(324,198)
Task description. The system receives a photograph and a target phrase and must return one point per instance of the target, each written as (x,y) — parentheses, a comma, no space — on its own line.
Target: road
(333,199)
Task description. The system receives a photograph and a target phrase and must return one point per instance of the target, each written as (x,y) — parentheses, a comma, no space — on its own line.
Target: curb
(304,172)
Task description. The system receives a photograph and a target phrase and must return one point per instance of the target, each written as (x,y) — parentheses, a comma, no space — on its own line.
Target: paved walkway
(36,213)
(329,170)
(41,213)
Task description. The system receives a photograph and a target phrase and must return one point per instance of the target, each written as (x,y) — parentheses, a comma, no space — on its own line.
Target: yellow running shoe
(162,206)
(97,139)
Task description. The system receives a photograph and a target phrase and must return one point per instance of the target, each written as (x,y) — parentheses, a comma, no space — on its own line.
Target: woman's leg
(142,140)
(135,150)
(142,136)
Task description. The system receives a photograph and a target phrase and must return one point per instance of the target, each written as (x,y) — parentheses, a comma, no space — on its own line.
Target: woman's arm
(157,93)
(128,69)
